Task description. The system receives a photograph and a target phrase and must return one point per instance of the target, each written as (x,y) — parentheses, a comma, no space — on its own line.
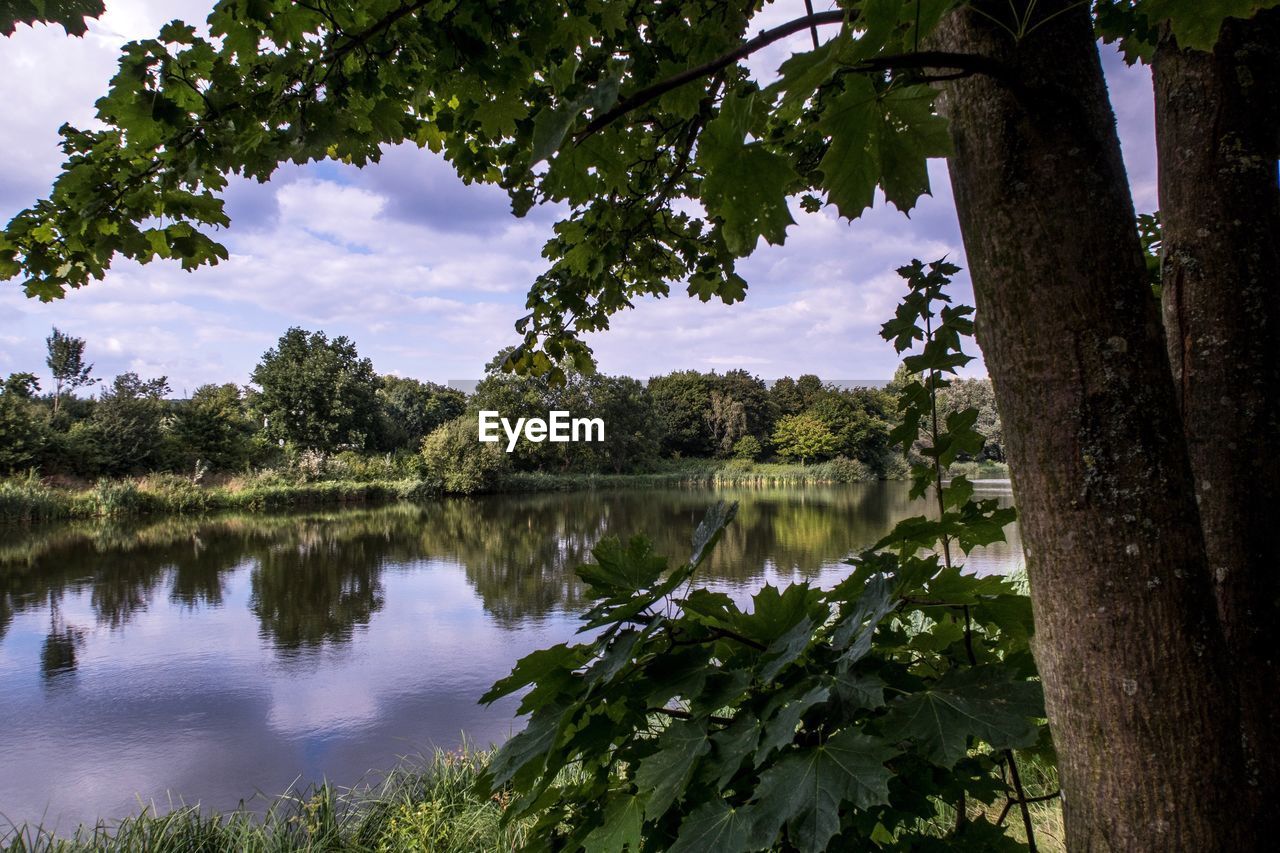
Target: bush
(748,448)
(117,497)
(171,493)
(845,470)
(453,455)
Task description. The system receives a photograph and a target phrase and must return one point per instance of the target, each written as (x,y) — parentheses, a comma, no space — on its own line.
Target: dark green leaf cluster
(71,15)
(812,719)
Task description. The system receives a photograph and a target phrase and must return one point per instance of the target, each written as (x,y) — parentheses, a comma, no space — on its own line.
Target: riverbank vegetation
(318,425)
(435,804)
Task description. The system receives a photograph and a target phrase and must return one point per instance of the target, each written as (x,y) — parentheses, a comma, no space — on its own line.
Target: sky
(426,275)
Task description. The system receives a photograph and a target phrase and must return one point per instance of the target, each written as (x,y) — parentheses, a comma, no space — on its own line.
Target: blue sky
(427,275)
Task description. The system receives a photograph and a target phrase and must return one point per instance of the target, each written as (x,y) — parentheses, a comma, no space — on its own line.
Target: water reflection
(212,657)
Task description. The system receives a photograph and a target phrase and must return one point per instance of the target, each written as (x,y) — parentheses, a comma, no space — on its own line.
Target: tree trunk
(1218,136)
(1128,642)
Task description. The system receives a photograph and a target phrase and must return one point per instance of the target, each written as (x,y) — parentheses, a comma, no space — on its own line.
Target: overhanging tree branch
(748,47)
(964,64)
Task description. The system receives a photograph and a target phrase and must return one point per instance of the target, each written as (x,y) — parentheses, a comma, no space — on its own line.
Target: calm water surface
(206,660)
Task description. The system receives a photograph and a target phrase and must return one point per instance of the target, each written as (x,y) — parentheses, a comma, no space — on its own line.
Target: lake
(214,659)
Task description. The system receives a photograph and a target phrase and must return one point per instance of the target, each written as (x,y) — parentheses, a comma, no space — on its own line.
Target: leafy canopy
(811,720)
(640,117)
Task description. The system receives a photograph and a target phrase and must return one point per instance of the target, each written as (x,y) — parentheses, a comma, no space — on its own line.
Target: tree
(1216,118)
(803,437)
(453,456)
(727,421)
(23,433)
(632,434)
(315,393)
(126,430)
(1095,443)
(858,419)
(66,363)
(214,427)
(682,399)
(672,162)
(411,409)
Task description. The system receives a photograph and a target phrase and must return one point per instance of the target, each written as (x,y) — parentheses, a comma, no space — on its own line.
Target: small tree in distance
(316,393)
(803,437)
(66,363)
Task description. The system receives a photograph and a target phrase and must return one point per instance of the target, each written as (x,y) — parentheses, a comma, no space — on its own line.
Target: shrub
(117,497)
(845,470)
(748,448)
(454,456)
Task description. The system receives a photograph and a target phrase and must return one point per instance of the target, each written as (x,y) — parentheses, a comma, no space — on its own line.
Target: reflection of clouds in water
(225,655)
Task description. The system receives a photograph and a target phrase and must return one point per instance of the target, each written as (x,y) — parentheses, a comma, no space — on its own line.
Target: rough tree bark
(1128,641)
(1218,138)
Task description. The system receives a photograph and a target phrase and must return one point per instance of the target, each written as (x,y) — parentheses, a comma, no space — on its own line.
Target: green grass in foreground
(436,806)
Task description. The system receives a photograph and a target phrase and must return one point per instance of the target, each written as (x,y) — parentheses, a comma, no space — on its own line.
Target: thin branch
(341,50)
(657,90)
(813,28)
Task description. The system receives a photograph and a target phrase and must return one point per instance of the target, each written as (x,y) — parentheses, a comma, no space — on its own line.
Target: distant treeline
(311,395)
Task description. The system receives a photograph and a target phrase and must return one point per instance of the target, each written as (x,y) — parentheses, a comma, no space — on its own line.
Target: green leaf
(714,826)
(1197,23)
(806,790)
(780,728)
(909,135)
(709,530)
(622,568)
(982,702)
(850,170)
(665,773)
(623,820)
(747,191)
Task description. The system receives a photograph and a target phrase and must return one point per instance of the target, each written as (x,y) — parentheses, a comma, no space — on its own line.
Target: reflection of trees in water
(315,577)
(58,652)
(316,586)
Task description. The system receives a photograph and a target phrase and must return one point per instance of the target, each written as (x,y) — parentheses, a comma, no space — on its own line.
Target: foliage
(813,720)
(213,427)
(428,805)
(69,14)
(66,364)
(748,447)
(1152,237)
(411,409)
(682,399)
(625,405)
(126,432)
(23,428)
(803,437)
(316,393)
(976,394)
(453,456)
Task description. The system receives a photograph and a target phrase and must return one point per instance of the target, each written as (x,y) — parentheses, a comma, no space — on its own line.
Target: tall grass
(26,498)
(436,806)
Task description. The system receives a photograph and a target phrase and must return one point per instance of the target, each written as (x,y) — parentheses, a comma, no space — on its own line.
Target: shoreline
(30,500)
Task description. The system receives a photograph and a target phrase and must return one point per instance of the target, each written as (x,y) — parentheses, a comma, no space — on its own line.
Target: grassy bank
(434,806)
(30,499)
